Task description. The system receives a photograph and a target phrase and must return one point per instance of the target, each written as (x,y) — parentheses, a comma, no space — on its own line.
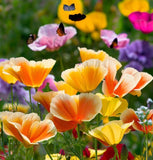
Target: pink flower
(142,21)
(112,40)
(49,39)
(50,80)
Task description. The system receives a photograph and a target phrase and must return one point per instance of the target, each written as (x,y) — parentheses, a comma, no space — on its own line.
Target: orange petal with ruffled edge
(61,85)
(87,54)
(128,116)
(30,73)
(88,106)
(110,82)
(145,79)
(83,107)
(127,82)
(45,98)
(111,133)
(85,77)
(31,130)
(61,125)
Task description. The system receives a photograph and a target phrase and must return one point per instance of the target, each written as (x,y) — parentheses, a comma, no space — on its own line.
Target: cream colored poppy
(85,77)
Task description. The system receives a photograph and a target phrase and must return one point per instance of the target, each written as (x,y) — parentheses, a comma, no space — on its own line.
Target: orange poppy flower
(131,81)
(67,111)
(129,115)
(45,98)
(30,73)
(85,77)
(27,128)
(6,76)
(61,85)
(87,54)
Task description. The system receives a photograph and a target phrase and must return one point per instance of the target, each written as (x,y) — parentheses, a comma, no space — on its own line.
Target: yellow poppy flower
(16,107)
(27,128)
(61,85)
(85,77)
(69,7)
(111,133)
(126,7)
(93,21)
(112,106)
(87,54)
(55,156)
(6,76)
(30,73)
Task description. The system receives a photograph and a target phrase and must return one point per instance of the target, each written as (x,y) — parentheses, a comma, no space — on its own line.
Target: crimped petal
(28,120)
(128,81)
(61,85)
(112,106)
(61,125)
(145,79)
(6,76)
(110,82)
(30,73)
(111,133)
(87,54)
(12,129)
(45,98)
(86,76)
(88,106)
(41,131)
(64,107)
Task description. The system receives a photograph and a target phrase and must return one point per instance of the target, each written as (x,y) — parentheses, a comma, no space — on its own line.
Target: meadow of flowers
(76,80)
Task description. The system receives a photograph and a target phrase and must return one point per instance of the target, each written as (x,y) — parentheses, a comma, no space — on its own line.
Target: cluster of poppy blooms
(71,102)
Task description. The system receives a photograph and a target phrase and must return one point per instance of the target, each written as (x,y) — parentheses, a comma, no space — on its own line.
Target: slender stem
(47,151)
(70,145)
(116,152)
(12,96)
(79,138)
(146,135)
(96,148)
(30,98)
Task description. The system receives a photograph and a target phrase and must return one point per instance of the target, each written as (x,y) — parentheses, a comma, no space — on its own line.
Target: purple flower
(112,40)
(49,39)
(20,95)
(138,54)
(142,21)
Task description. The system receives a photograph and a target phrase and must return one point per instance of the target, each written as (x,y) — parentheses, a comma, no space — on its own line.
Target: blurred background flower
(126,7)
(138,54)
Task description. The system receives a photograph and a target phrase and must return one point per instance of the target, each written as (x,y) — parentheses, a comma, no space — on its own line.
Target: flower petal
(86,76)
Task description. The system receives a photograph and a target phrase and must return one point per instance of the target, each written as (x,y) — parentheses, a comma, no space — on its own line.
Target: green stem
(30,99)
(116,152)
(146,135)
(46,149)
(70,145)
(96,148)
(79,139)
(12,97)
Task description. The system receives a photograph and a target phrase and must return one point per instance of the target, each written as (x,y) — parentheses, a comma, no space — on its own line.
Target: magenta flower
(142,21)
(50,80)
(49,39)
(112,40)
